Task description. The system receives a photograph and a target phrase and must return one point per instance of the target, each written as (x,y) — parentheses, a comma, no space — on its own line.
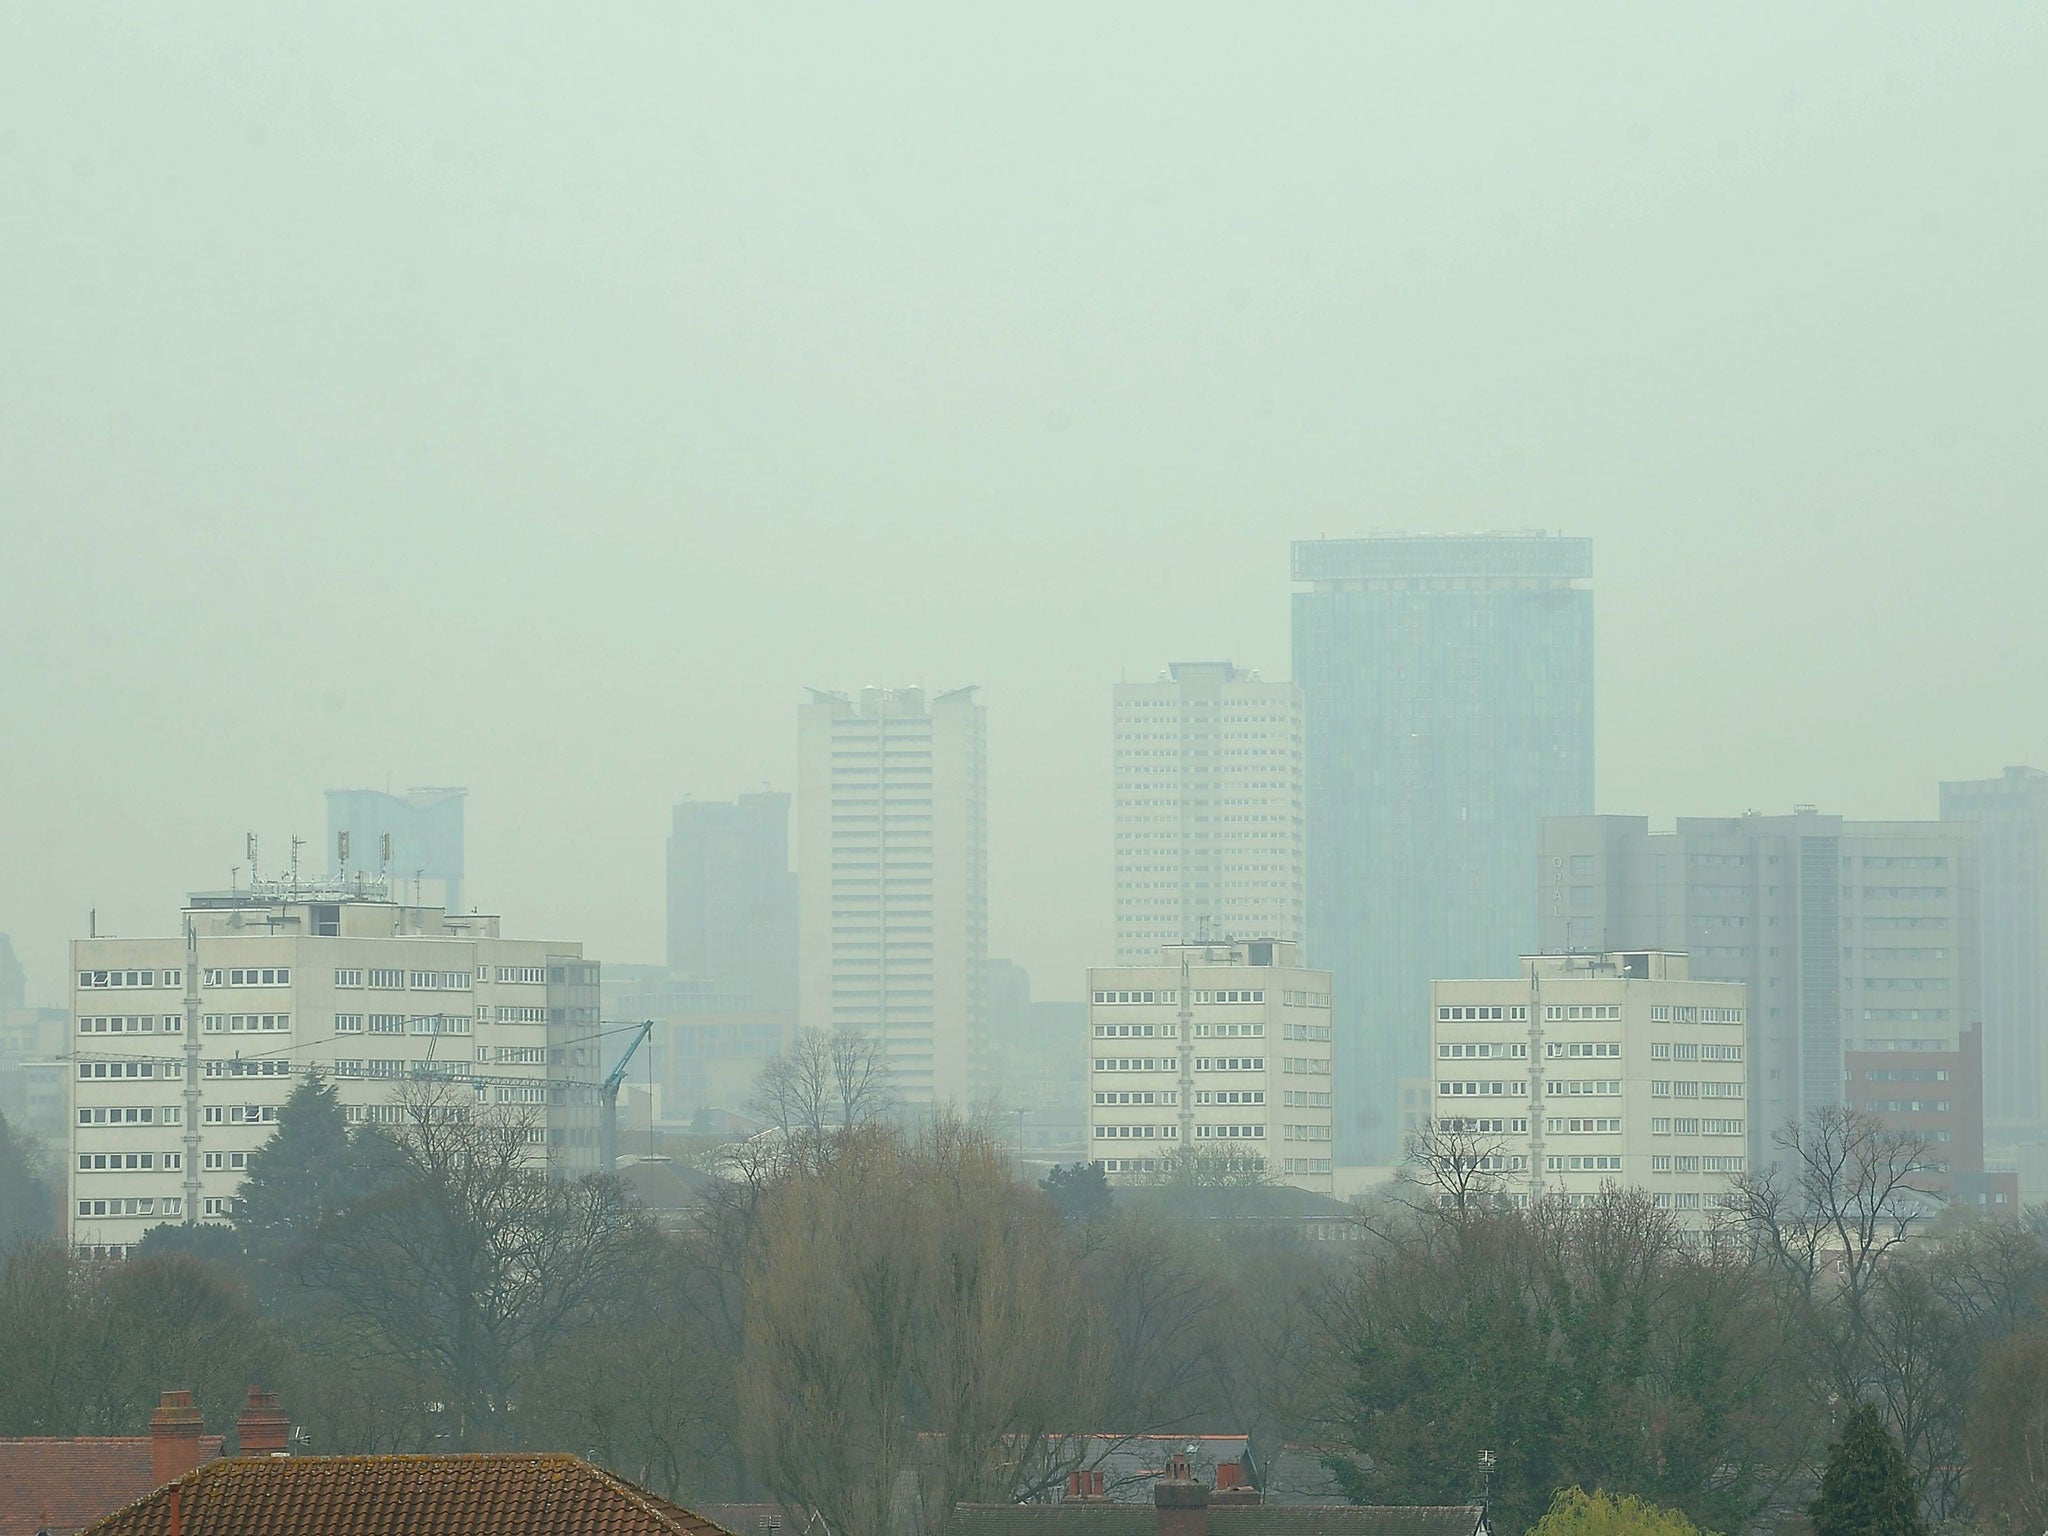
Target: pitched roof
(59,1485)
(1088,1519)
(478,1495)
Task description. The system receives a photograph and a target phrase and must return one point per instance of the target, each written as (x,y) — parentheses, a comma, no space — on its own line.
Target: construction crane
(608,1095)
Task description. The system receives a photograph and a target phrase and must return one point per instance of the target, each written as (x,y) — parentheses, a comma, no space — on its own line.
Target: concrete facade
(2010,814)
(370,993)
(1851,936)
(1210,815)
(892,884)
(732,898)
(1219,1049)
(1590,1070)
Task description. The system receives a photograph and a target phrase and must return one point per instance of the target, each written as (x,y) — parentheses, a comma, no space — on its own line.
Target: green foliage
(1574,1512)
(309,1172)
(1866,1490)
(1582,1346)
(1079,1192)
(27,1200)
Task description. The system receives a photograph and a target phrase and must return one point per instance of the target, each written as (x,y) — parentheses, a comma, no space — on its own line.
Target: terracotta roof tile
(480,1495)
(62,1485)
(1107,1519)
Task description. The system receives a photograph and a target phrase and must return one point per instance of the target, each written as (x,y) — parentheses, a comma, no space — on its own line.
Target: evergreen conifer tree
(1867,1490)
(308,1170)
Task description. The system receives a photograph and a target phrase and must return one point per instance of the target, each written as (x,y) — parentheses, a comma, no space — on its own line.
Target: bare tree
(908,1286)
(827,1081)
(1826,1218)
(474,1262)
(2008,1438)
(1458,1164)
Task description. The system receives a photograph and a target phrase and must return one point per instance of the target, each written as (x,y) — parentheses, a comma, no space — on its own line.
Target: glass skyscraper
(1449,687)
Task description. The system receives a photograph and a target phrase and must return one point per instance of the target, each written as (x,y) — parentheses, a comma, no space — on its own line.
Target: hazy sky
(536,398)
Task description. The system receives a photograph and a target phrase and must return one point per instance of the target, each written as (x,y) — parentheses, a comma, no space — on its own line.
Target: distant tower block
(419,833)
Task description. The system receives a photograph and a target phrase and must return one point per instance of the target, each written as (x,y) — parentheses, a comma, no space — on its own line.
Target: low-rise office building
(183,1049)
(1217,1049)
(1590,1070)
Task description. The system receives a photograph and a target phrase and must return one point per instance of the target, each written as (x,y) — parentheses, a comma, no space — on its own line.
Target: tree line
(855,1298)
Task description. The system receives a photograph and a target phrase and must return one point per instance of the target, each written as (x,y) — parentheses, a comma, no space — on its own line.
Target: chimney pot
(174,1431)
(1182,1503)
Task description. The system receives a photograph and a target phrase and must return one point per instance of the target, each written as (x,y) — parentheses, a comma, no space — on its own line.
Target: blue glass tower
(1449,687)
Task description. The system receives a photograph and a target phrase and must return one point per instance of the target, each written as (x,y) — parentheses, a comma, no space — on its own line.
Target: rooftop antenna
(255,868)
(341,854)
(297,843)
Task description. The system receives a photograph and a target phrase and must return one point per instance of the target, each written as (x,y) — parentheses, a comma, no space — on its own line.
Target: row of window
(1306,1066)
(133,1205)
(1660,1089)
(1686,1126)
(1663,1050)
(1230,1133)
(131,1024)
(101,980)
(246,1023)
(1688,1014)
(1690,1162)
(129,1162)
(129,1114)
(247,976)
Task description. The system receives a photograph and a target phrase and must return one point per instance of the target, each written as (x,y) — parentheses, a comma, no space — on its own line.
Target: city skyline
(1080,404)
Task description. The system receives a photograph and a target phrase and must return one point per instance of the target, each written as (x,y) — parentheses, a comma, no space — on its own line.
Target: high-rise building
(425,829)
(2011,816)
(732,898)
(1856,939)
(1217,1049)
(1210,823)
(892,884)
(187,1047)
(1588,1070)
(1449,689)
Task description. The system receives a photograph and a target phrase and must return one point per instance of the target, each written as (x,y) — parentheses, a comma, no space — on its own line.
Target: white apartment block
(1211,1048)
(1589,1070)
(1209,810)
(892,880)
(185,1048)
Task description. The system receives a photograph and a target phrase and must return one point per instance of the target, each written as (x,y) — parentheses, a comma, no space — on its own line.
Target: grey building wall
(732,899)
(1849,935)
(2010,814)
(1449,690)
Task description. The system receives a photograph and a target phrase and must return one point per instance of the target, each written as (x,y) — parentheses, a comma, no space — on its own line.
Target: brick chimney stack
(1182,1502)
(1233,1487)
(174,1431)
(262,1429)
(1085,1486)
